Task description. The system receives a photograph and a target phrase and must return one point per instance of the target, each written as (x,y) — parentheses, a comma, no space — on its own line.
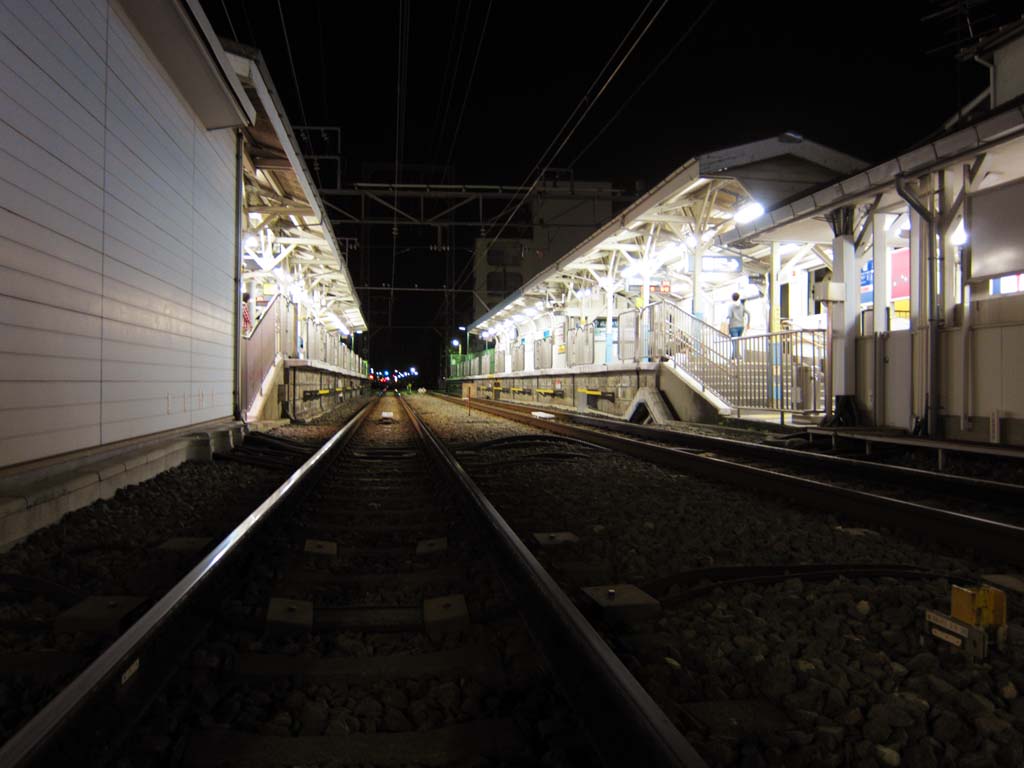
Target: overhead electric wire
(543,156)
(291,62)
(582,117)
(400,78)
(589,102)
(454,82)
(469,84)
(295,79)
(444,80)
(323,74)
(466,269)
(231,26)
(651,74)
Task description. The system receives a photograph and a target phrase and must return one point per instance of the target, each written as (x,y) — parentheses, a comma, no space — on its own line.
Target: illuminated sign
(722,264)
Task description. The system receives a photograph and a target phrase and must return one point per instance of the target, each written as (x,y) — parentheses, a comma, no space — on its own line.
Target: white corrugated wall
(116,238)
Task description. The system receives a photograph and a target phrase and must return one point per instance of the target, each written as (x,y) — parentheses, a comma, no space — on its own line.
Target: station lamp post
(463,328)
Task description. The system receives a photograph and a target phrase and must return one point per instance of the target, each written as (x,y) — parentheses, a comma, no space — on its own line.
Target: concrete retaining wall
(43,497)
(308,393)
(618,389)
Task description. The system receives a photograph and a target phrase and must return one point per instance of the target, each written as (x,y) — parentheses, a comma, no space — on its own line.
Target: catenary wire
(467,267)
(400,95)
(579,105)
(582,117)
(651,74)
(469,84)
(590,102)
(454,82)
(231,26)
(295,79)
(444,81)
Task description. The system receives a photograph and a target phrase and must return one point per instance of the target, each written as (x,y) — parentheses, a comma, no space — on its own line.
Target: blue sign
(867,282)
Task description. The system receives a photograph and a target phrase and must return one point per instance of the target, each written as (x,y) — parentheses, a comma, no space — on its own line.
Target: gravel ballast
(837,666)
(111,548)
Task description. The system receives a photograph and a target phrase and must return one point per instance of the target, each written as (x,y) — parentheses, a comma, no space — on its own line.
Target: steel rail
(127,654)
(971,488)
(992,537)
(623,718)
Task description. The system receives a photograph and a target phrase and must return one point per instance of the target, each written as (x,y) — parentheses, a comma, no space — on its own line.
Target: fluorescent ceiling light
(959,236)
(749,212)
(675,250)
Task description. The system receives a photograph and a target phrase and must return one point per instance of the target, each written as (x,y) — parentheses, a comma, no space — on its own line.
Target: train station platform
(872,440)
(39,493)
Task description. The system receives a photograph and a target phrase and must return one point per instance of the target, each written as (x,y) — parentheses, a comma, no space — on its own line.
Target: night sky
(865,78)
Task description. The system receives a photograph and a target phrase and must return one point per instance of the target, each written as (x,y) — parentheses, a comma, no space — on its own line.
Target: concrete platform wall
(623,385)
(33,500)
(308,393)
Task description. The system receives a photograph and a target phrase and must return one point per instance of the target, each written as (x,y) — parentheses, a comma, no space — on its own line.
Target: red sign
(900,277)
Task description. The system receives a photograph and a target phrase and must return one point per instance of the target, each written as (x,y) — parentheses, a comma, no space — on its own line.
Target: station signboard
(729,264)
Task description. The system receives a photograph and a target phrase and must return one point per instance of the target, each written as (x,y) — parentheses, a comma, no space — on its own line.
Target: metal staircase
(776,372)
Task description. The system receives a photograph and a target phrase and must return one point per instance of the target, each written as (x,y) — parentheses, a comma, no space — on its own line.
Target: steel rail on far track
(125,657)
(627,724)
(975,489)
(991,537)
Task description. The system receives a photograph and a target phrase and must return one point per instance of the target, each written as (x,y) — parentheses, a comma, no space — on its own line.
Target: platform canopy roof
(288,240)
(991,144)
(684,218)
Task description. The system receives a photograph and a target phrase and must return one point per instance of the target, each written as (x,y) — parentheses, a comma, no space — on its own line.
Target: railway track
(966,512)
(767,632)
(374,610)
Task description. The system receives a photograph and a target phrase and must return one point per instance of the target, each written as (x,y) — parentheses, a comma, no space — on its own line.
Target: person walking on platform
(738,320)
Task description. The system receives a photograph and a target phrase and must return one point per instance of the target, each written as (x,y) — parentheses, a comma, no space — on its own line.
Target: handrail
(262,317)
(780,371)
(117,662)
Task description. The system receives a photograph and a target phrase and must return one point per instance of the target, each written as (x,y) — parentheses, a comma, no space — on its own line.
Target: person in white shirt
(738,320)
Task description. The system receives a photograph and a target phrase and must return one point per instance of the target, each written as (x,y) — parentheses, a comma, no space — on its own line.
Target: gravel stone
(369,707)
(314,717)
(394,698)
(920,755)
(887,756)
(947,727)
(990,727)
(891,713)
(973,704)
(395,721)
(941,687)
(923,663)
(877,731)
(448,696)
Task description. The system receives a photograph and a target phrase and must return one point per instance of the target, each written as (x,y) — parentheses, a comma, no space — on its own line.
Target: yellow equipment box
(982,607)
